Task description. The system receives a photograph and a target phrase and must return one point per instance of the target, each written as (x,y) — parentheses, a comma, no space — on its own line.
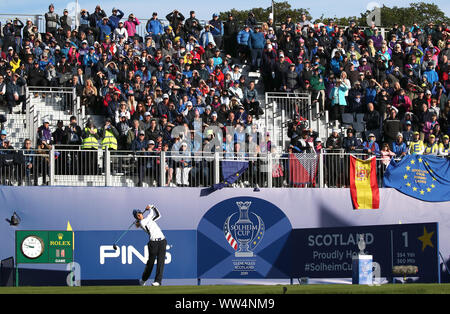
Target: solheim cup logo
(244,233)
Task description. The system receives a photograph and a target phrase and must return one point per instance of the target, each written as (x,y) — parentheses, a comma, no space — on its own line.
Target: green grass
(238,289)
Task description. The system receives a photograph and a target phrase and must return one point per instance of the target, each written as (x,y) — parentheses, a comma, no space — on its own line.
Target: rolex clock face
(32,247)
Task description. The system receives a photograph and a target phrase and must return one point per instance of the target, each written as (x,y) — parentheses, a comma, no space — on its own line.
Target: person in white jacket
(120,32)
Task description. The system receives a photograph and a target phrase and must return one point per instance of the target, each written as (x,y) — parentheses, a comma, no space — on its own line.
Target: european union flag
(231,172)
(425,177)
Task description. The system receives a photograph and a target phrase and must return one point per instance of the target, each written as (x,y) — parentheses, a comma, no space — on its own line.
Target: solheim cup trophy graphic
(245,231)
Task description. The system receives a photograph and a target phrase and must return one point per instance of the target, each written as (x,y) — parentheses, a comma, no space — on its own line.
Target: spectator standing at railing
(44,133)
(90,136)
(351,143)
(370,146)
(431,147)
(51,20)
(109,134)
(444,147)
(399,146)
(391,126)
(416,146)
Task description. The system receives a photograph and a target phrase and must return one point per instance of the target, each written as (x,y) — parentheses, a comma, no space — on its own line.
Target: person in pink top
(130,25)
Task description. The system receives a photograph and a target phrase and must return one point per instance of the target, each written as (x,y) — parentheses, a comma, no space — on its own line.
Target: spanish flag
(363,183)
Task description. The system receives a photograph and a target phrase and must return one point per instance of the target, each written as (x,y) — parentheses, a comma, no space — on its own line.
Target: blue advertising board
(99,261)
(328,252)
(243,237)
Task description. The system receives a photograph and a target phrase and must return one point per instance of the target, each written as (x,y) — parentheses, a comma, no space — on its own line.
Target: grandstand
(270,115)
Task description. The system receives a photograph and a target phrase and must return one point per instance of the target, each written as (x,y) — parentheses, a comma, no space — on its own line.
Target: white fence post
(321,172)
(51,170)
(269,170)
(107,161)
(216,168)
(162,169)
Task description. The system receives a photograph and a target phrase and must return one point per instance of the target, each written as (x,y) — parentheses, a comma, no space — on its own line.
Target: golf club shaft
(123,233)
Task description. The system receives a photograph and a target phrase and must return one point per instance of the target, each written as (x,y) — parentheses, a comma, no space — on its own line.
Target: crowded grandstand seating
(106,97)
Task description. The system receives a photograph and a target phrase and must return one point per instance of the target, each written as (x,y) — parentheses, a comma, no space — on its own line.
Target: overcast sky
(204,9)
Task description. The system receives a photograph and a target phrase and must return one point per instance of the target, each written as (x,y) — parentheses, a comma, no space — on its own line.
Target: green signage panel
(47,247)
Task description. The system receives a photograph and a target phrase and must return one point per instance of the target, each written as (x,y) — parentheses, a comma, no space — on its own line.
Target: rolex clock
(32,246)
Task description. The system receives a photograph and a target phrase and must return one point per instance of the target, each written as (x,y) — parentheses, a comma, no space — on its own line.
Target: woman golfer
(156,245)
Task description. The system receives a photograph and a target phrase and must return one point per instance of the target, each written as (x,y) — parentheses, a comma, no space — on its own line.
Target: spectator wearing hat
(51,20)
(416,146)
(399,147)
(175,17)
(431,147)
(130,25)
(105,27)
(256,43)
(115,17)
(243,47)
(351,143)
(408,132)
(154,28)
(65,21)
(217,29)
(230,31)
(120,32)
(109,134)
(370,146)
(444,147)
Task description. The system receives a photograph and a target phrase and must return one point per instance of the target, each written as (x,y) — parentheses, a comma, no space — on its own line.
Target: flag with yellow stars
(232,171)
(424,177)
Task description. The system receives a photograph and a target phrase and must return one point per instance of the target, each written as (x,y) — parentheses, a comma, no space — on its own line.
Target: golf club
(125,232)
(121,236)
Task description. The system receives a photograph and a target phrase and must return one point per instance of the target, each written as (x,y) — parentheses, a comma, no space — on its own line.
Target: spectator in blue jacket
(116,16)
(154,28)
(106,28)
(256,44)
(399,147)
(243,47)
(217,30)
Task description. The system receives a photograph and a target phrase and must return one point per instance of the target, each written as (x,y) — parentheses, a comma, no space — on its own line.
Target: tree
(421,13)
(281,11)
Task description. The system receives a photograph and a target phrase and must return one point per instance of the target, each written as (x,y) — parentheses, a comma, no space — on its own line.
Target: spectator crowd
(188,74)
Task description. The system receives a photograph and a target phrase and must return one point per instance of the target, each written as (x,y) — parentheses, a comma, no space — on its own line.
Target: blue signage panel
(243,237)
(328,252)
(99,261)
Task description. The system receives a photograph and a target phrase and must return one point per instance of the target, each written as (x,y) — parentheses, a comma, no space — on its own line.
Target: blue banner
(328,252)
(424,177)
(98,260)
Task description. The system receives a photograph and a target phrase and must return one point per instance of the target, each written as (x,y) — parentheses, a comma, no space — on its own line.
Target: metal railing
(77,167)
(50,103)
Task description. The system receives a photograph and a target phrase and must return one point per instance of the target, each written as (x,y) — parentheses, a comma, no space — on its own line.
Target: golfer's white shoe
(156,284)
(141,282)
